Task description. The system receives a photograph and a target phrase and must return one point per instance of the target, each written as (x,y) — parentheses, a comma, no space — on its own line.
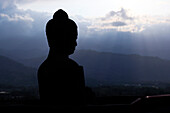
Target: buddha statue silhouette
(61,80)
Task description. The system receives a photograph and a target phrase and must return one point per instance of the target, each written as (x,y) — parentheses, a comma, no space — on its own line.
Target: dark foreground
(148,104)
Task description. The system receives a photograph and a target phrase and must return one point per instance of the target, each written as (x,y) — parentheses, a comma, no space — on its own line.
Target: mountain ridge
(101,68)
(117,68)
(16,74)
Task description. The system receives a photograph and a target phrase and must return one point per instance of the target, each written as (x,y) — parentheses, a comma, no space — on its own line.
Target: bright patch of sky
(96,8)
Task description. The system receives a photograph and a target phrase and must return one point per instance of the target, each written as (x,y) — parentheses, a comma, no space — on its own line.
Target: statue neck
(57,53)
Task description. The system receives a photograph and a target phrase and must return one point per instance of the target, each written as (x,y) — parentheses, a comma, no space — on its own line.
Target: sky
(125,15)
(120,26)
(94,8)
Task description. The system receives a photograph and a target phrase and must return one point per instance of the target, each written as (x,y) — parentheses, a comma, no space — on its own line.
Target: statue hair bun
(60,15)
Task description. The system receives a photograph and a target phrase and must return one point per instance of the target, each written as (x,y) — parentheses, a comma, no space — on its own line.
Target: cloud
(125,21)
(117,31)
(29,1)
(120,20)
(17,17)
(118,23)
(20,23)
(6,3)
(145,35)
(121,14)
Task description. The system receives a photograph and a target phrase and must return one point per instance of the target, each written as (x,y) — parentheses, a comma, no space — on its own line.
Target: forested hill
(99,67)
(112,68)
(117,68)
(16,74)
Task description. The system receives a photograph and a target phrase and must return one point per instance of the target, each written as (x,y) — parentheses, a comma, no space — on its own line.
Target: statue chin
(71,51)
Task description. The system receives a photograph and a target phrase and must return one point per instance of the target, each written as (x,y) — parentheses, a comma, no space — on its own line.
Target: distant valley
(100,68)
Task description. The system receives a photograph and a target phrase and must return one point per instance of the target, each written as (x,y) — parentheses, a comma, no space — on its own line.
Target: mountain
(110,68)
(16,74)
(118,68)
